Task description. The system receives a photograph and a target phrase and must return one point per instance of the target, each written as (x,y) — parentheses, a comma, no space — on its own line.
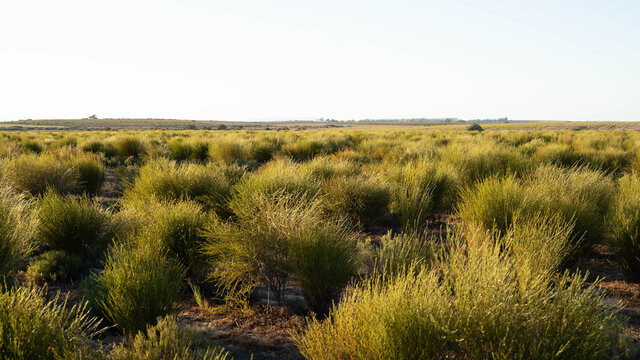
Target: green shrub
(166,340)
(180,150)
(558,154)
(77,226)
(471,305)
(93,146)
(31,327)
(396,253)
(229,151)
(420,189)
(91,174)
(55,265)
(165,180)
(276,236)
(302,149)
(137,285)
(32,146)
(36,173)
(130,146)
(17,230)
(624,225)
(361,199)
(475,127)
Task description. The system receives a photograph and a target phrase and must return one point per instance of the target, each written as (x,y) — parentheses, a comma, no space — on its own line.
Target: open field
(169,239)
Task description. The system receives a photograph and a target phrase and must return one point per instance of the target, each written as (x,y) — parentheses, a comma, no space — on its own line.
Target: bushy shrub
(77,226)
(36,173)
(361,199)
(229,151)
(55,265)
(475,127)
(181,150)
(32,146)
(91,174)
(470,305)
(276,236)
(302,149)
(138,284)
(558,154)
(31,327)
(624,225)
(419,190)
(17,230)
(209,185)
(393,254)
(166,340)
(130,146)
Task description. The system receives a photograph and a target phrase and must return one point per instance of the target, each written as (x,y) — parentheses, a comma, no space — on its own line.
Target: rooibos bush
(17,230)
(35,174)
(624,224)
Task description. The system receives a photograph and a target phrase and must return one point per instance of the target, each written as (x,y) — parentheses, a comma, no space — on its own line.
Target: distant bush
(35,174)
(137,285)
(472,304)
(475,127)
(77,226)
(624,225)
(130,146)
(17,230)
(31,327)
(167,340)
(91,174)
(276,236)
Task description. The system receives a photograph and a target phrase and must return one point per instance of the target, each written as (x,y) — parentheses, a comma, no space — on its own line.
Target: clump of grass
(361,199)
(130,146)
(277,236)
(181,150)
(32,146)
(138,284)
(302,149)
(36,173)
(17,230)
(167,340)
(55,265)
(209,185)
(471,305)
(32,327)
(558,154)
(419,190)
(624,225)
(91,173)
(229,151)
(77,226)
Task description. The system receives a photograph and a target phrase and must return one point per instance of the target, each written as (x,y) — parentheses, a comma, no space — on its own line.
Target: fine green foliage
(17,230)
(277,236)
(167,341)
(166,180)
(56,265)
(624,224)
(472,305)
(32,327)
(130,146)
(138,284)
(77,226)
(181,150)
(91,174)
(35,174)
(361,199)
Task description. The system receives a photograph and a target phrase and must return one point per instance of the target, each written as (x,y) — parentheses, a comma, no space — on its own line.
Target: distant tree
(93,117)
(475,127)
(222,127)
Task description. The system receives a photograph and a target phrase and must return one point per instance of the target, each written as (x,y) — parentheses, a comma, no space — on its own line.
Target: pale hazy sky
(279,59)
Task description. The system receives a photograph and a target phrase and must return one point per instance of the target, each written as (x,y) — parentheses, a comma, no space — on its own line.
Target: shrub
(35,174)
(91,174)
(420,189)
(229,151)
(396,253)
(302,149)
(55,265)
(471,305)
(166,180)
(77,226)
(277,236)
(180,150)
(130,146)
(558,154)
(177,227)
(17,230)
(33,328)
(624,225)
(137,285)
(475,127)
(166,340)
(361,199)
(32,146)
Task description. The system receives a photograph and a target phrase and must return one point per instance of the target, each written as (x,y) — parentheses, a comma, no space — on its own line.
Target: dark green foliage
(91,174)
(56,265)
(77,226)
(138,284)
(362,199)
(17,230)
(475,127)
(624,224)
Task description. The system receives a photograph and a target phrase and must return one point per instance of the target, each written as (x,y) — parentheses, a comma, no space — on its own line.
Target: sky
(297,59)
